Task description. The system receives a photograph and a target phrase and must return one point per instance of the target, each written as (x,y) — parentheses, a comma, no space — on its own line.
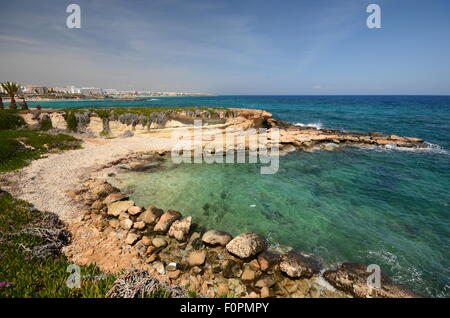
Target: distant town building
(33,89)
(91,91)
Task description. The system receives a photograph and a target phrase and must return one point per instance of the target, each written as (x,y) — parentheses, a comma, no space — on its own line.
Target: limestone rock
(134,210)
(267,281)
(139,225)
(247,245)
(267,259)
(114,223)
(159,242)
(352,278)
(248,275)
(151,215)
(166,220)
(297,264)
(146,241)
(103,190)
(197,258)
(132,238)
(116,208)
(126,224)
(223,290)
(231,269)
(180,229)
(216,238)
(265,292)
(114,197)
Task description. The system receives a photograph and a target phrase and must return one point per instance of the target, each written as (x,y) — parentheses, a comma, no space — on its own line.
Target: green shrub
(71,121)
(46,124)
(9,119)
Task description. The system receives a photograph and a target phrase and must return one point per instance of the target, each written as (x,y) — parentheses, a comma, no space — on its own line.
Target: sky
(318,47)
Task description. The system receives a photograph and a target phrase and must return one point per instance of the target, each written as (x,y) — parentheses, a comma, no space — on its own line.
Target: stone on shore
(114,223)
(116,208)
(166,220)
(352,278)
(216,238)
(248,275)
(197,258)
(180,229)
(134,210)
(151,215)
(126,224)
(267,259)
(159,242)
(247,245)
(139,225)
(132,238)
(114,197)
(296,264)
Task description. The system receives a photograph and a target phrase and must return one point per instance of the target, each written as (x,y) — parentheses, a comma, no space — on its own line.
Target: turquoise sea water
(383,206)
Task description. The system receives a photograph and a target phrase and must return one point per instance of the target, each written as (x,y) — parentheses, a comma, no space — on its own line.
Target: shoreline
(46,182)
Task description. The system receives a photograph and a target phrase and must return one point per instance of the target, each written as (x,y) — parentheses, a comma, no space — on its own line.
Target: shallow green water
(349,205)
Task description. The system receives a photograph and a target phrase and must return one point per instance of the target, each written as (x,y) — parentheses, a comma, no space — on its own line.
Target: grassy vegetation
(18,147)
(22,274)
(46,124)
(105,112)
(10,120)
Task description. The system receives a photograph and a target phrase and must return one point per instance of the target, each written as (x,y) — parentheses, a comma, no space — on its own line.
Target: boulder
(146,241)
(103,190)
(267,281)
(265,292)
(231,269)
(159,242)
(353,279)
(116,208)
(216,238)
(151,215)
(114,197)
(166,220)
(139,225)
(197,258)
(126,224)
(180,229)
(297,264)
(247,245)
(114,223)
(132,238)
(248,275)
(134,210)
(267,259)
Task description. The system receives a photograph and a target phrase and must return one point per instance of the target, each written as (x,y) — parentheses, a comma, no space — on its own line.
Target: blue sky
(230,47)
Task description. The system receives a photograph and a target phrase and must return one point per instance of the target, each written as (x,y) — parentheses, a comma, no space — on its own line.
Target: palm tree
(1,103)
(11,89)
(24,103)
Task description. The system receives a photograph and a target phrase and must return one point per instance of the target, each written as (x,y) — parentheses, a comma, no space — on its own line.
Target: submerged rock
(166,221)
(247,245)
(216,238)
(353,278)
(296,264)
